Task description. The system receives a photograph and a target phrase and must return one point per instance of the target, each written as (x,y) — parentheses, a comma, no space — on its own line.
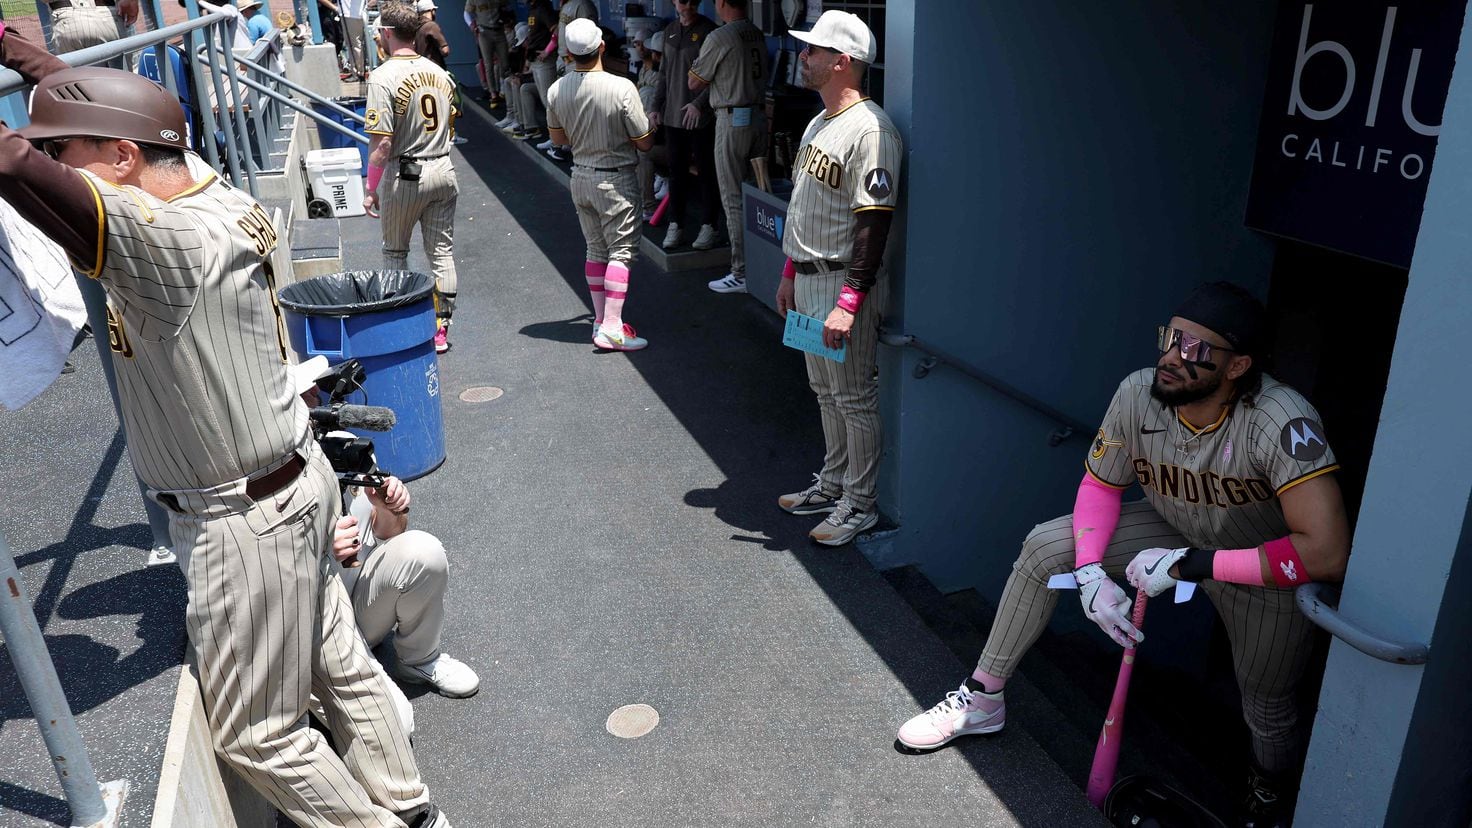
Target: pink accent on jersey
(1095,517)
(1283,561)
(1237,566)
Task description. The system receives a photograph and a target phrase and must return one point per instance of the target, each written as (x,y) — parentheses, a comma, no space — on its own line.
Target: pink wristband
(375,175)
(789,270)
(1237,566)
(1283,561)
(2,30)
(850,300)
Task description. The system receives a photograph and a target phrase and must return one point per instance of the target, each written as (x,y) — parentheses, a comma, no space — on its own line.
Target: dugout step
(316,247)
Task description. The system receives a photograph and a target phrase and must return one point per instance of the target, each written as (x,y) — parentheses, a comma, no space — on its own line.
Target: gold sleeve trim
(101,232)
(1102,481)
(376,132)
(1307,477)
(645,135)
(874,207)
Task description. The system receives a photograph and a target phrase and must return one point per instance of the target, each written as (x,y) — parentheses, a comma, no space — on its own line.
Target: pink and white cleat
(961,713)
(623,340)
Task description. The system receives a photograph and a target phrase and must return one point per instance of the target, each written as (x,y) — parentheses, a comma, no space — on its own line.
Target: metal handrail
(1068,426)
(11,81)
(1313,602)
(316,116)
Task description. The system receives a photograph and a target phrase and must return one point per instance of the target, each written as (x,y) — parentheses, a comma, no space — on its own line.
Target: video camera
(351,457)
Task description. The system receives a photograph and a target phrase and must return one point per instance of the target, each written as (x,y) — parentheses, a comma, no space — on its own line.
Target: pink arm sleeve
(1095,517)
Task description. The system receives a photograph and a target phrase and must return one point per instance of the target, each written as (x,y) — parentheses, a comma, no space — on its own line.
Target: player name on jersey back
(805,333)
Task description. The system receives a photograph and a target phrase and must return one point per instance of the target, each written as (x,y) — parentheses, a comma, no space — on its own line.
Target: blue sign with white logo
(765,221)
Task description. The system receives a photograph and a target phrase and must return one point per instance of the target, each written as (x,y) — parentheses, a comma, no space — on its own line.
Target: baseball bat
(658,217)
(1106,754)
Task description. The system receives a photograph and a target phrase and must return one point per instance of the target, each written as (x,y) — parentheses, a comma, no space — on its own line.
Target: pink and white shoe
(623,340)
(961,713)
(442,339)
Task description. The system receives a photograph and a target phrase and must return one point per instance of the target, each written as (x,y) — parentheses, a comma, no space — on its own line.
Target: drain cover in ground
(632,721)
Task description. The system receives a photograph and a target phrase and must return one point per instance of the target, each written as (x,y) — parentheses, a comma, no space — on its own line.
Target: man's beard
(810,78)
(1186,393)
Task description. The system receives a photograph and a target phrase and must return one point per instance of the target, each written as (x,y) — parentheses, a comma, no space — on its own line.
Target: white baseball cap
(842,32)
(583,37)
(655,42)
(425,5)
(247,4)
(523,31)
(305,374)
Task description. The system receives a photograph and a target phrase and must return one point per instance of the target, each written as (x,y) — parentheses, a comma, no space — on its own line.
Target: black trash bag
(1142,802)
(356,292)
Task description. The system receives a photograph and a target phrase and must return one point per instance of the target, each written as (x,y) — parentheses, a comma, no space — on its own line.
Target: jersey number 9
(430,109)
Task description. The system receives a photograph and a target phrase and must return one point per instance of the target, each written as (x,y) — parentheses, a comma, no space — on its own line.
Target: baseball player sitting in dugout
(1240,496)
(396,576)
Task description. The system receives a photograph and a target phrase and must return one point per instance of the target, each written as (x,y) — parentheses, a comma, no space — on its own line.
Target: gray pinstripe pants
(82,26)
(848,393)
(430,203)
(271,622)
(1270,638)
(735,146)
(608,212)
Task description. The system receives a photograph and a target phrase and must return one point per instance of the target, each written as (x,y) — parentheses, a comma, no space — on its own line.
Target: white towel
(40,310)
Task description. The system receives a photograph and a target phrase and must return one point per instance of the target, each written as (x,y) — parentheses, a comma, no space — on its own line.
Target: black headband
(1229,311)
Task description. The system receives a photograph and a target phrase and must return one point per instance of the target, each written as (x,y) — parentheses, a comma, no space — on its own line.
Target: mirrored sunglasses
(1192,348)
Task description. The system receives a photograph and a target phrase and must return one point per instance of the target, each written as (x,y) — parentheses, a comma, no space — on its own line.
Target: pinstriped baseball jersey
(572,10)
(733,61)
(849,162)
(198,342)
(410,98)
(601,114)
(1218,485)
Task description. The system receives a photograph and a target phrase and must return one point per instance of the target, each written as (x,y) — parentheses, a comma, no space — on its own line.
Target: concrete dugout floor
(613,540)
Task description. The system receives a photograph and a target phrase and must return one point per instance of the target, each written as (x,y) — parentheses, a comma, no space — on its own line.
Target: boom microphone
(365,417)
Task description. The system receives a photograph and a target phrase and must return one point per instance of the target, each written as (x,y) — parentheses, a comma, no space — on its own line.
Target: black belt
(820,266)
(275,480)
(67,4)
(418,158)
(607,169)
(734,108)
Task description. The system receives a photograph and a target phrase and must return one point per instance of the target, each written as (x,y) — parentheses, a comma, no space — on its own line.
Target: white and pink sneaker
(961,713)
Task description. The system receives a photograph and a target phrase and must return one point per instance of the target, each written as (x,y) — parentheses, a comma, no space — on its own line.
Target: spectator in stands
(257,19)
(330,17)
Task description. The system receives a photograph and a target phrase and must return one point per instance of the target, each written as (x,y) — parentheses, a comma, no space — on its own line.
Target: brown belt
(66,4)
(269,484)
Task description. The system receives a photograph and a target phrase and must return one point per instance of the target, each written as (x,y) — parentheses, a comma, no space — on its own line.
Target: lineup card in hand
(806,334)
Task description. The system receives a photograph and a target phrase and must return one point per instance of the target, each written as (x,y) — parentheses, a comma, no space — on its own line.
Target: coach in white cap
(846,185)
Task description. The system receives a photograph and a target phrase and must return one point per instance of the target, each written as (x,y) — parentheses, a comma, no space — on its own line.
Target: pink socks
(594,272)
(617,284)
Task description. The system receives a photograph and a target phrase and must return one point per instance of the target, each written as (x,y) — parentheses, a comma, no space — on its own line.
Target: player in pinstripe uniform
(1239,495)
(601,116)
(541,57)
(733,63)
(77,24)
(411,178)
(845,190)
(490,37)
(215,431)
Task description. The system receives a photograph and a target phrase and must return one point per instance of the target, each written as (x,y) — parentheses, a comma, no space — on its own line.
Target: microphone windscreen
(367,417)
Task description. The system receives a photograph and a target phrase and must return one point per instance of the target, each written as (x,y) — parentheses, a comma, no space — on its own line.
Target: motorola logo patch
(1303,440)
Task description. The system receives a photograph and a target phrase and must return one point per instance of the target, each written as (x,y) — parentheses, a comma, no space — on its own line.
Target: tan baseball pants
(848,392)
(85,25)
(401,590)
(608,211)
(1271,640)
(271,623)
(429,203)
(735,147)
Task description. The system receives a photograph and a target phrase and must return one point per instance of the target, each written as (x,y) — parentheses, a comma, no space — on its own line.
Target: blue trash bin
(386,320)
(331,138)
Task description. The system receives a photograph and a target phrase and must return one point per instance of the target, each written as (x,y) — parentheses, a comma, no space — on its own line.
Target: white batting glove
(1150,570)
(1106,604)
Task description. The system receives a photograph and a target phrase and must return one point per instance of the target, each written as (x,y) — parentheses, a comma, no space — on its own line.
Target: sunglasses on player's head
(1192,348)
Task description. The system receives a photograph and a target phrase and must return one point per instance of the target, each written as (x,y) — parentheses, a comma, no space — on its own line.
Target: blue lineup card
(806,334)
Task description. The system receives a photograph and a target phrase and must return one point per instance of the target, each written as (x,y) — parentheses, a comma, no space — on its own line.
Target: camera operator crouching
(396,576)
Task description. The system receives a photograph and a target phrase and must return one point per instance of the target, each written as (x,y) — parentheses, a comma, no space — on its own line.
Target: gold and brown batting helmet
(92,102)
